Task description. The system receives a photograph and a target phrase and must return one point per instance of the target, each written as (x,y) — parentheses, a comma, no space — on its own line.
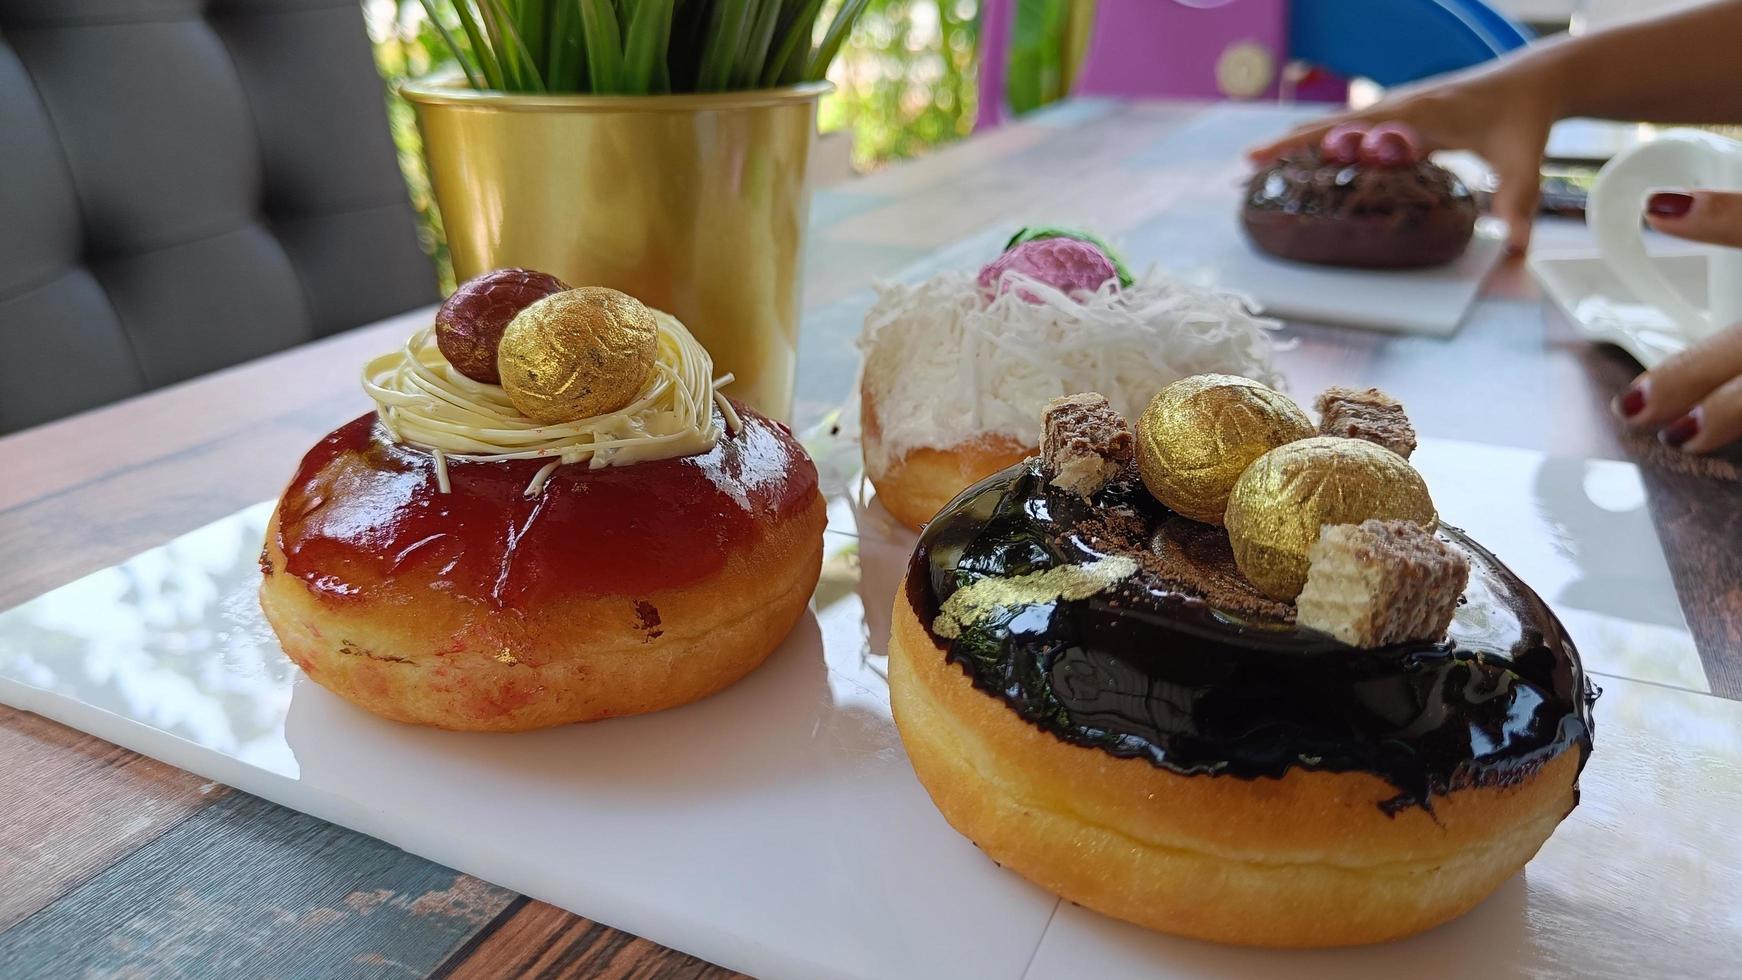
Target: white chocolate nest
(423,401)
(946,367)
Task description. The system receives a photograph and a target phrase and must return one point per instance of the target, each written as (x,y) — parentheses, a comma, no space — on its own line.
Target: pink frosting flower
(1066,264)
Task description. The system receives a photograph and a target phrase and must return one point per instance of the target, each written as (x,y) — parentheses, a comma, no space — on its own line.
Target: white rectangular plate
(1422,301)
(777,827)
(1416,301)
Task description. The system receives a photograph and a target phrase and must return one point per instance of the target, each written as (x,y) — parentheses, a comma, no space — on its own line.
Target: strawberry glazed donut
(448,561)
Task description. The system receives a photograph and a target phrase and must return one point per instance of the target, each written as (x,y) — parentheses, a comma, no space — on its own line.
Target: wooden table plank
(105,443)
(544,941)
(196,881)
(244,888)
(1696,506)
(73,804)
(98,523)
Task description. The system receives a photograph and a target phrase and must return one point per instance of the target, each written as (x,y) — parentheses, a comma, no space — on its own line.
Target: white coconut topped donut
(958,368)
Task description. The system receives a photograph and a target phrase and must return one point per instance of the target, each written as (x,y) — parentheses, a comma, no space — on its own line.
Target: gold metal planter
(695,204)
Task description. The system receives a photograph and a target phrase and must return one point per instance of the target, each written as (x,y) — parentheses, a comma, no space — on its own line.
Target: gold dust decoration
(1200,433)
(1285,497)
(577,354)
(976,600)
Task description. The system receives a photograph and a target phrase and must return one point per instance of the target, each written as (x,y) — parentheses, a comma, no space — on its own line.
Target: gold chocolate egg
(577,354)
(1288,494)
(1200,433)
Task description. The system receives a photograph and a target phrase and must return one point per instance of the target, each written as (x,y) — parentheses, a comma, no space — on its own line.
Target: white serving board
(777,828)
(1420,301)
(1432,302)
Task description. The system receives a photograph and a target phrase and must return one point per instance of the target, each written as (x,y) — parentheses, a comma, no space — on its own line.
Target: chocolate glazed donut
(1305,208)
(1172,750)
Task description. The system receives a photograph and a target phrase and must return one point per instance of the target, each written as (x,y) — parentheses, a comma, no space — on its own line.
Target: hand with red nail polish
(1669,204)
(1678,433)
(1631,402)
(1459,113)
(1714,217)
(1693,401)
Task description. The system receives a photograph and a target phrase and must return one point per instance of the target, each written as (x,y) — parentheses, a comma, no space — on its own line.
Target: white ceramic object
(777,827)
(1583,286)
(1680,158)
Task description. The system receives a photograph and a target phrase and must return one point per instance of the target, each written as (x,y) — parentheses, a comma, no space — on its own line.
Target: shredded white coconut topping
(944,367)
(424,401)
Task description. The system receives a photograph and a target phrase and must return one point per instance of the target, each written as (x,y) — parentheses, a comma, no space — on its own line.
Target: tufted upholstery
(185,185)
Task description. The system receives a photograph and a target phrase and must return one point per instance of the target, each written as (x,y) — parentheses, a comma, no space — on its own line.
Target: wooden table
(131,867)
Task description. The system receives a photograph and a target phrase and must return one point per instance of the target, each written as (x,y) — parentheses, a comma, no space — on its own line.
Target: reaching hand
(1694,399)
(1501,114)
(1678,67)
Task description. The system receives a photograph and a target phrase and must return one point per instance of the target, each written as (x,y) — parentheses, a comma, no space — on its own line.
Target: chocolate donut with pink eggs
(1365,199)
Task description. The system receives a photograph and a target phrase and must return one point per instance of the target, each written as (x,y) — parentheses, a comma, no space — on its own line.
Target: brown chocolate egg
(469,325)
(1200,433)
(577,354)
(1283,499)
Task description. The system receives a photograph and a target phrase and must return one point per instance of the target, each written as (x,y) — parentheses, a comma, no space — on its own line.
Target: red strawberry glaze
(363,518)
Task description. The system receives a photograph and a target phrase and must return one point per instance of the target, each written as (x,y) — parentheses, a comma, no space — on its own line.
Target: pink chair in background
(1153,49)
(1186,49)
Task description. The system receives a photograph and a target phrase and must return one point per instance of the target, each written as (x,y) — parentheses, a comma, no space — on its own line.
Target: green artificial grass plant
(639,47)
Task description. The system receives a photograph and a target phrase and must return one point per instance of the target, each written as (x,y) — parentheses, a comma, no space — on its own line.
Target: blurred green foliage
(408,46)
(905,79)
(1037,55)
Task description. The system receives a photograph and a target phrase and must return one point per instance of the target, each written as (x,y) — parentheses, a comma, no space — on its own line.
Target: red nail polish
(1669,204)
(1632,401)
(1675,434)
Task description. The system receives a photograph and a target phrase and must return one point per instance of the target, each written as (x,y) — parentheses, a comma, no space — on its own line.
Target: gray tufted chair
(185,185)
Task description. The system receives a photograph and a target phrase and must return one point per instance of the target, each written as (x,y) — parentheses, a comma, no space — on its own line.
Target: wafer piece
(1381,582)
(1084,443)
(1371,415)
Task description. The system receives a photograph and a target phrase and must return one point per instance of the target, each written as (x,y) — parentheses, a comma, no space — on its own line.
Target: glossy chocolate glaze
(363,517)
(1307,183)
(1150,671)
